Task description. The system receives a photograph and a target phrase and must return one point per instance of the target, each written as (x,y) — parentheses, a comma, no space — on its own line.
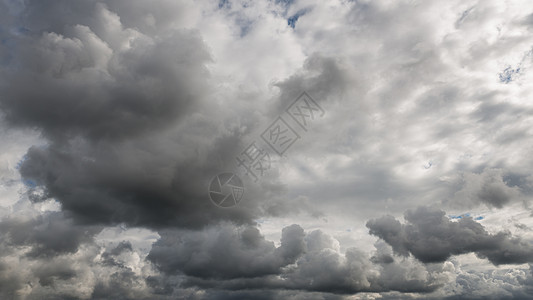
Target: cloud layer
(116,114)
(430,236)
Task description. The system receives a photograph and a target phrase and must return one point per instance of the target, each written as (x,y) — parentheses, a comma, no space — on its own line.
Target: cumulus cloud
(430,236)
(225,253)
(132,134)
(115,114)
(51,256)
(123,81)
(231,258)
(46,235)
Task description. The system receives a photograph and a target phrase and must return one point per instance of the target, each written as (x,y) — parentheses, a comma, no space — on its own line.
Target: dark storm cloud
(231,259)
(51,257)
(432,237)
(137,119)
(44,246)
(85,77)
(225,253)
(47,235)
(139,183)
(133,136)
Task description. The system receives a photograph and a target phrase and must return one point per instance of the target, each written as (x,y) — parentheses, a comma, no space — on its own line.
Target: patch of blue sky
(244,23)
(465,215)
(457,217)
(29,183)
(508,73)
(224,4)
(20,162)
(291,21)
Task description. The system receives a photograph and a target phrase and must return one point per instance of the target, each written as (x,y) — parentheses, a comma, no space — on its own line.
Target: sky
(266,149)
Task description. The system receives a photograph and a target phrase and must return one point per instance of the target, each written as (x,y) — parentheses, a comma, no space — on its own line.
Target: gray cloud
(487,187)
(140,187)
(432,237)
(140,104)
(224,253)
(47,235)
(123,82)
(133,136)
(230,258)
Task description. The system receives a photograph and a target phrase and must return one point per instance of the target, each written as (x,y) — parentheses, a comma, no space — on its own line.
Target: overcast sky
(376,149)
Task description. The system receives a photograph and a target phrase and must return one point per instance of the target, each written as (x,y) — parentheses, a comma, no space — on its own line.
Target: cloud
(487,187)
(50,256)
(231,262)
(231,258)
(124,82)
(225,253)
(132,107)
(47,235)
(431,237)
(127,107)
